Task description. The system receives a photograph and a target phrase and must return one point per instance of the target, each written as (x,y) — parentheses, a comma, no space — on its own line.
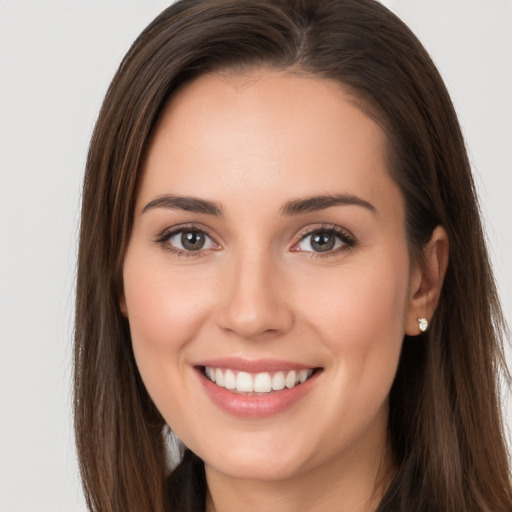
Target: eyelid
(165,235)
(344,235)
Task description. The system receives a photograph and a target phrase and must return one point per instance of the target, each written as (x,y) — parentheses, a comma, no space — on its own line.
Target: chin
(258,464)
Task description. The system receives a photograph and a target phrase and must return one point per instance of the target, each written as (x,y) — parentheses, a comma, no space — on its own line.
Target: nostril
(259,321)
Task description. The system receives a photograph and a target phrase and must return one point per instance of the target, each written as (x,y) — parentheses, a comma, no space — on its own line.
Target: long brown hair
(445,425)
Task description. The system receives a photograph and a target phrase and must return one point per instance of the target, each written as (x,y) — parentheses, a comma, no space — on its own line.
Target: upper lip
(253,365)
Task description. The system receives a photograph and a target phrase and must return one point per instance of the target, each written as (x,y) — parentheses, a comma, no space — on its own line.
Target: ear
(427,281)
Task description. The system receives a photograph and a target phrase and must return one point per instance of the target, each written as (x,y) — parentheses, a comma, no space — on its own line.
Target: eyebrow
(294,207)
(188,204)
(322,202)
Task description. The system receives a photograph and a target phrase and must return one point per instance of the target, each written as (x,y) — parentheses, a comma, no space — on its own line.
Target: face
(268,254)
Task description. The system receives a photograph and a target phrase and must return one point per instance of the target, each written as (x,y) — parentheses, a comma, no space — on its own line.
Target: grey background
(56,60)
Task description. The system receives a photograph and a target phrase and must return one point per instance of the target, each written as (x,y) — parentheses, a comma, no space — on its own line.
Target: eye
(324,240)
(187,240)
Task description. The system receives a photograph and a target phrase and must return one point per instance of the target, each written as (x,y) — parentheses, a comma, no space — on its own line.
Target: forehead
(268,133)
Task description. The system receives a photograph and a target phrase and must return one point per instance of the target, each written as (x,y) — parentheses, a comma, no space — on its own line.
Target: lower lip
(256,406)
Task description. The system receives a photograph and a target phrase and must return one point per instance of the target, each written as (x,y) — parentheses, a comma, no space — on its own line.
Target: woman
(281,259)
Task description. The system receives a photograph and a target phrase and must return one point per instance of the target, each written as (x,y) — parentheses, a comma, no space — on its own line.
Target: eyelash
(343,235)
(348,240)
(166,235)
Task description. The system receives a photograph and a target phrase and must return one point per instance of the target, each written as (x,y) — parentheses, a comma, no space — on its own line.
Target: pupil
(322,242)
(192,240)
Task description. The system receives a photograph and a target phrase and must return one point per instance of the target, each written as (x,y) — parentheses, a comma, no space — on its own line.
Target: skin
(252,143)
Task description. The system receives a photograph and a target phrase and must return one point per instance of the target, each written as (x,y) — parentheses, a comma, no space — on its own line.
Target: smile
(256,389)
(256,383)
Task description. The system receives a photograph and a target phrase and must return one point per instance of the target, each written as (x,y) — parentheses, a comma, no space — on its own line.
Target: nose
(253,302)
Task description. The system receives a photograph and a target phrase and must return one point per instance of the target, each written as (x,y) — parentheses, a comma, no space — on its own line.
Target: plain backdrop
(56,60)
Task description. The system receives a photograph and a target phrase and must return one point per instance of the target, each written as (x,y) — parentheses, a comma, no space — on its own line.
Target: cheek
(164,304)
(358,300)
(165,308)
(359,314)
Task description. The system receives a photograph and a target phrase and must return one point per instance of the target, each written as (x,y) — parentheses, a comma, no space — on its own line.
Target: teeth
(210,373)
(219,377)
(229,380)
(244,382)
(278,381)
(291,379)
(303,376)
(262,383)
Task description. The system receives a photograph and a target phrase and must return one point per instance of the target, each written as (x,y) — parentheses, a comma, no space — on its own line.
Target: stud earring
(423,324)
